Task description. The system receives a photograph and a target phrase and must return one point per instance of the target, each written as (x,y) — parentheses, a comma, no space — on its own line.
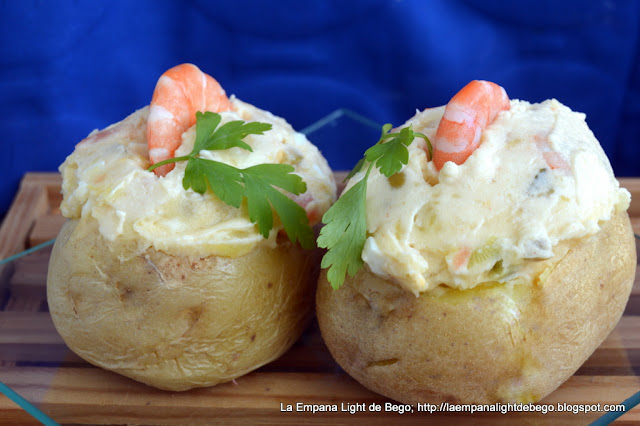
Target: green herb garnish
(346,221)
(256,184)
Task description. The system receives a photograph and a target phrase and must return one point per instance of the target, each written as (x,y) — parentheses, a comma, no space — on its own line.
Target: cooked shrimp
(554,159)
(179,94)
(466,115)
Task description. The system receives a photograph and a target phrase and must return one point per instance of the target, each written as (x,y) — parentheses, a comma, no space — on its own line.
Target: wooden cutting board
(35,362)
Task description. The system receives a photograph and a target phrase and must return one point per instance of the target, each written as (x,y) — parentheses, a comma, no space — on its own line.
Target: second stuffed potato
(494,264)
(496,342)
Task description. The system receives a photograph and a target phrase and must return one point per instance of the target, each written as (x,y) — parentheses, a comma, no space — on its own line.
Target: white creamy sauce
(106,178)
(490,218)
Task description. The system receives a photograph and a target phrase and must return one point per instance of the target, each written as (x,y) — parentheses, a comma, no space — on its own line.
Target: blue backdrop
(67,68)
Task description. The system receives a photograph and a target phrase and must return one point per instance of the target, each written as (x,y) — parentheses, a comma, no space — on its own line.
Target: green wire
(610,416)
(27,406)
(26,252)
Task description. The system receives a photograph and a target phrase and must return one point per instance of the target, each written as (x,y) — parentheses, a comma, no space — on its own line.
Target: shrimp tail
(466,115)
(179,93)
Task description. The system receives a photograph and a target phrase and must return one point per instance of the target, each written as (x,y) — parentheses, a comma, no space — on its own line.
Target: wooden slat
(633,186)
(29,279)
(38,195)
(24,304)
(627,334)
(256,397)
(30,203)
(6,272)
(45,228)
(12,414)
(30,337)
(46,179)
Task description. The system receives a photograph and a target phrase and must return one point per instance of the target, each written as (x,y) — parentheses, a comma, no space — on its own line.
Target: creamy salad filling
(539,178)
(105,178)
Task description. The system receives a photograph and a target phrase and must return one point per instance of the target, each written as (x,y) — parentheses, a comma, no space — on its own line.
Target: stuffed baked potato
(181,278)
(495,342)
(494,263)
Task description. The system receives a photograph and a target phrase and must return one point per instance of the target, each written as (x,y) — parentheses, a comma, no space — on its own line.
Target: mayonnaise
(105,178)
(490,218)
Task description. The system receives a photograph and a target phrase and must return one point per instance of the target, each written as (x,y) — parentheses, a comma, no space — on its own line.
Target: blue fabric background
(67,67)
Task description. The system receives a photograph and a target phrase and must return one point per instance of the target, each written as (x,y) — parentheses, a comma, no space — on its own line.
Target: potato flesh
(177,322)
(507,343)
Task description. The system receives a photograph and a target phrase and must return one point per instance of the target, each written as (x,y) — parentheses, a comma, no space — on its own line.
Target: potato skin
(177,322)
(500,343)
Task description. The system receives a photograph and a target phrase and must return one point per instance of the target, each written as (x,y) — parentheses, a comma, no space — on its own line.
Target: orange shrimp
(554,159)
(461,258)
(466,115)
(179,94)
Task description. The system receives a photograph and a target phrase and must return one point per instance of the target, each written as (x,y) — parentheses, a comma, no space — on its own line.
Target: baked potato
(495,342)
(492,263)
(177,322)
(188,258)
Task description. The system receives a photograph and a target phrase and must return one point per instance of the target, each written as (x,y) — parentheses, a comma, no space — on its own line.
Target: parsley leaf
(227,136)
(205,130)
(390,156)
(259,184)
(256,184)
(225,181)
(345,233)
(345,230)
(360,164)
